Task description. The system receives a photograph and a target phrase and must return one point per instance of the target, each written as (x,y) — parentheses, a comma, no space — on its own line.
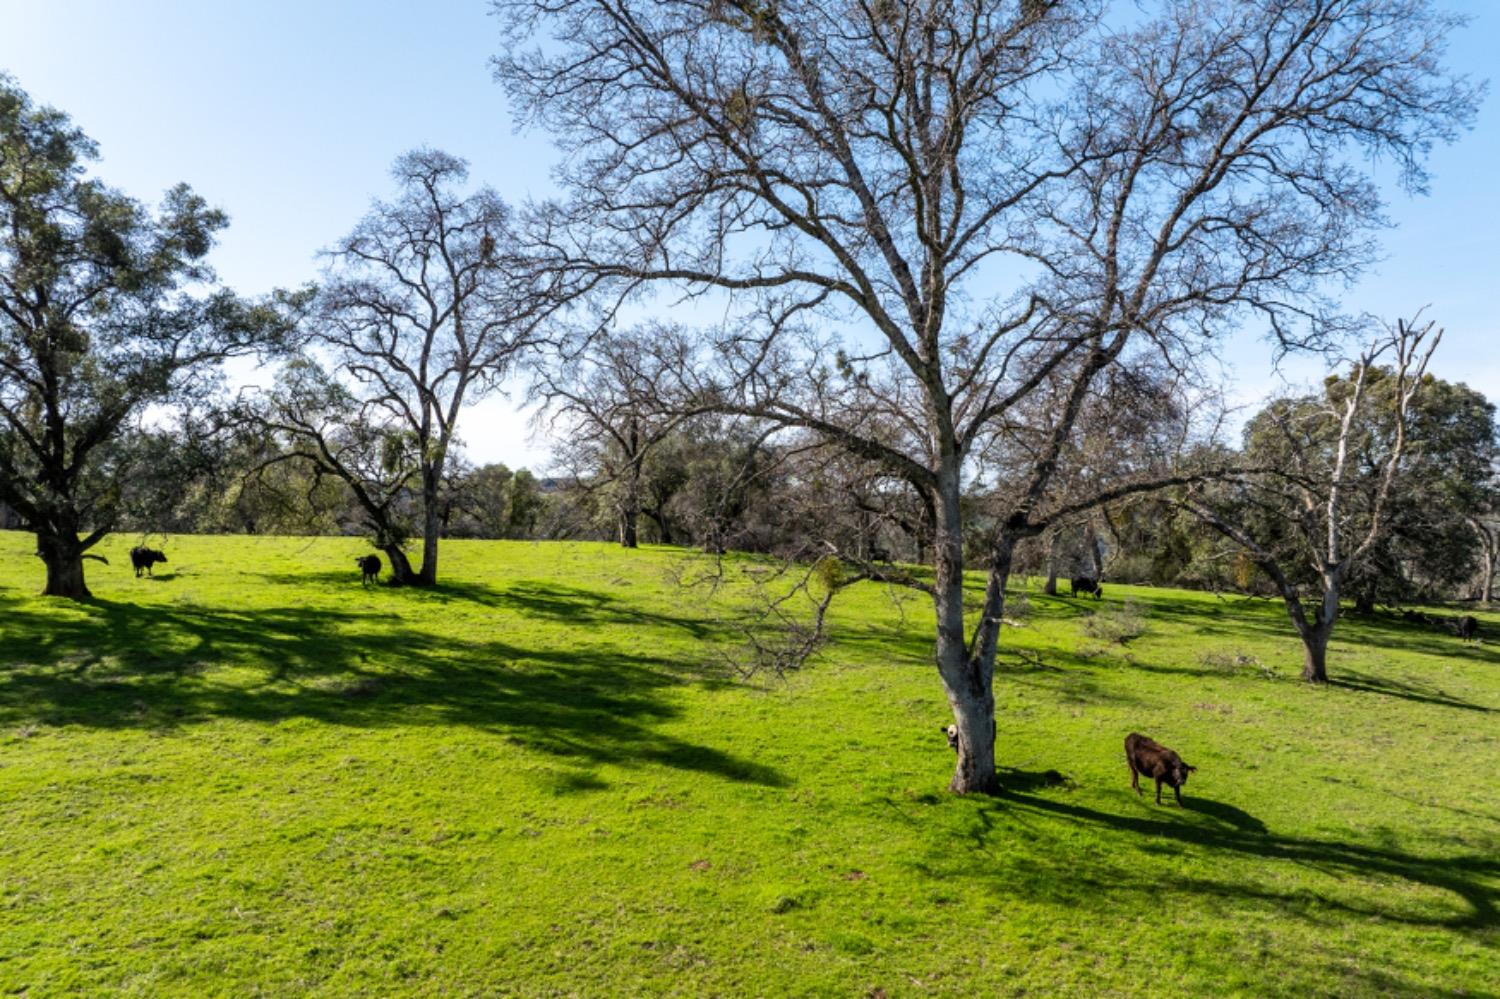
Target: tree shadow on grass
(159,577)
(1340,678)
(1472,878)
(1267,619)
(124,665)
(349,578)
(573,605)
(1391,687)
(576,604)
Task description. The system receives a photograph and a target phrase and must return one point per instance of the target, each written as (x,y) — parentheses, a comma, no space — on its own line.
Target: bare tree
(929,211)
(614,399)
(422,311)
(312,418)
(1320,510)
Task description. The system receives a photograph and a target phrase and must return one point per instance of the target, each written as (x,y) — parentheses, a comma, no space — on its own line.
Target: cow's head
(1180,771)
(951,731)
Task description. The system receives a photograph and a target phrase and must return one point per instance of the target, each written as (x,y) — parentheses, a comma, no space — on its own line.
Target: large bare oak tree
(919,214)
(613,399)
(420,313)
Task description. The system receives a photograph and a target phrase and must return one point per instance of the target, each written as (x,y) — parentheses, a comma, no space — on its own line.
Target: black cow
(369,566)
(1086,584)
(1149,757)
(1467,628)
(144,558)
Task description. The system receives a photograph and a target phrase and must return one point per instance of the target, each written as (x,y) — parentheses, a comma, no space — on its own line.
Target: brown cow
(1146,756)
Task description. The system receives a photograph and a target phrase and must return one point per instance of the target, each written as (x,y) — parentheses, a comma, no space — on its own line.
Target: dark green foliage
(102,314)
(1428,548)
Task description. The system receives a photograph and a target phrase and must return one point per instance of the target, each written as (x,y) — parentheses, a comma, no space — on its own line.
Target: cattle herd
(1142,755)
(1465,627)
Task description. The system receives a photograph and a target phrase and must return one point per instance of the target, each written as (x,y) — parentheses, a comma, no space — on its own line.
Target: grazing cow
(1467,627)
(951,731)
(369,566)
(144,558)
(1087,584)
(1146,756)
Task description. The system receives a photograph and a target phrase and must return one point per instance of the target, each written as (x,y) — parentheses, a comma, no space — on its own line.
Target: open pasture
(248,775)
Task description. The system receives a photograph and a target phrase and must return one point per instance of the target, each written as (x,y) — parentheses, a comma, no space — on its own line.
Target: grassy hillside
(251,776)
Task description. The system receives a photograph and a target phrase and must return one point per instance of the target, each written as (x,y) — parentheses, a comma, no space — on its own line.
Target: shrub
(1229,662)
(1120,623)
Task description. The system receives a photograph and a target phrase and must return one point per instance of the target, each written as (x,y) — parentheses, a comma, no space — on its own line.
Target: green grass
(251,776)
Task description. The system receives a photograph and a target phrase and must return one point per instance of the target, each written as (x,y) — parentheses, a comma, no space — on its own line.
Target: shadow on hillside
(1267,619)
(1393,632)
(1252,621)
(577,605)
(1472,878)
(1390,687)
(573,605)
(350,578)
(126,665)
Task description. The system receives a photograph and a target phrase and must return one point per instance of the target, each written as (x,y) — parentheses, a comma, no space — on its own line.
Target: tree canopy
(106,308)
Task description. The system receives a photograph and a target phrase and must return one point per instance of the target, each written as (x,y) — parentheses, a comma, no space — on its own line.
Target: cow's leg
(1135,777)
(1178,791)
(1158,790)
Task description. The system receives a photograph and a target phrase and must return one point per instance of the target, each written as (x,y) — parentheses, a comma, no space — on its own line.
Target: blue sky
(288,114)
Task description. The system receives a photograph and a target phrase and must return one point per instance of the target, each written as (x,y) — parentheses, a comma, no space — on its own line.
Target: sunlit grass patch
(258,776)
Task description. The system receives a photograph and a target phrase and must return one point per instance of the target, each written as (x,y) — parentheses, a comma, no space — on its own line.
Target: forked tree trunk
(1315,654)
(401,570)
(63,557)
(629,507)
(663,531)
(965,682)
(628,527)
(1096,553)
